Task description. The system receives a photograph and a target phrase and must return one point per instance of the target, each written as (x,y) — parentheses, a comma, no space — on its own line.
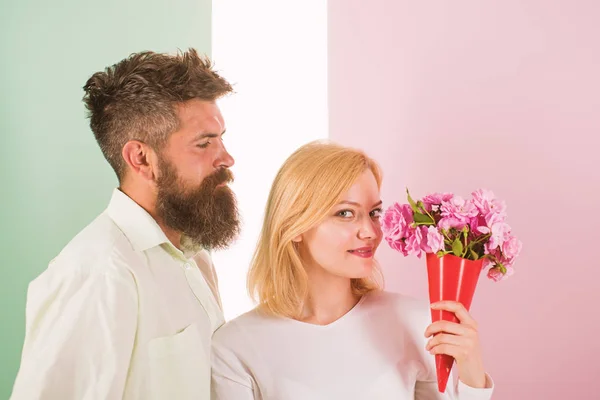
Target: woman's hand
(458,340)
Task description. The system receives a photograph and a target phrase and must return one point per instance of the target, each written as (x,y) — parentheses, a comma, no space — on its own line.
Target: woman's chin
(363,271)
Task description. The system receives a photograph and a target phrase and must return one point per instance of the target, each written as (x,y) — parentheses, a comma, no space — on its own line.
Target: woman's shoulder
(241,327)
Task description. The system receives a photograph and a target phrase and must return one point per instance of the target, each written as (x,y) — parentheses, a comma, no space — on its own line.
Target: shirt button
(187,266)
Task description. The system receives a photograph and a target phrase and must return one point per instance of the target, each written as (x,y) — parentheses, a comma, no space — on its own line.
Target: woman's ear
(297,239)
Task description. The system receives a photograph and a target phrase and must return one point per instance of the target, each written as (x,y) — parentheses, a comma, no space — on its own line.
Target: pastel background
(53,177)
(447,96)
(454,96)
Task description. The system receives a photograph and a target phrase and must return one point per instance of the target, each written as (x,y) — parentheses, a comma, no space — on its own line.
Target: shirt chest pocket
(179,367)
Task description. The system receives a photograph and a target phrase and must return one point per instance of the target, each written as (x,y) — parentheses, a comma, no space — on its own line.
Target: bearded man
(128,307)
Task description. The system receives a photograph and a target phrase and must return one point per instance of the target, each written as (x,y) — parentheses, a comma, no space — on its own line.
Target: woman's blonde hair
(308,185)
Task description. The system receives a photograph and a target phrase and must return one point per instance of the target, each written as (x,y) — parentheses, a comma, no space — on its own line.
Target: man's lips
(223,184)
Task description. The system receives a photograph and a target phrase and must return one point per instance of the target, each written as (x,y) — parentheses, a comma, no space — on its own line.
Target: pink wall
(453,96)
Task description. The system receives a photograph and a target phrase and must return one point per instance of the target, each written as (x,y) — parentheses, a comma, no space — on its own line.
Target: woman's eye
(376,213)
(345,214)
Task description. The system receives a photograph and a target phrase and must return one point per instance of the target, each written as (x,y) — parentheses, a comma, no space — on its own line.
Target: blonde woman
(323,328)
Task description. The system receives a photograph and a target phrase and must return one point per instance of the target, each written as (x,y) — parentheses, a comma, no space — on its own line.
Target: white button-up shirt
(120,313)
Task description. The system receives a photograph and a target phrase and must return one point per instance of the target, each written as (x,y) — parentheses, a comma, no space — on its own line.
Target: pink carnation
(396,226)
(451,222)
(495,274)
(498,229)
(434,200)
(434,241)
(397,220)
(414,243)
(457,213)
(498,258)
(511,248)
(475,223)
(398,245)
(485,201)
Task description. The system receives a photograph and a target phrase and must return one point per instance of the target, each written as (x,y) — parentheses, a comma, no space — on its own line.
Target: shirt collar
(138,226)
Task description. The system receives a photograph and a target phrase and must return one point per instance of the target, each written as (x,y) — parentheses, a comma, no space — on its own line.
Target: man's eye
(204,145)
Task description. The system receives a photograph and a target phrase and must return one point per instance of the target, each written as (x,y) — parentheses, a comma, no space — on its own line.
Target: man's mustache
(219,177)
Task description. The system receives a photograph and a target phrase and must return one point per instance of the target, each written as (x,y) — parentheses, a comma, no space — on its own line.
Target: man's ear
(140,158)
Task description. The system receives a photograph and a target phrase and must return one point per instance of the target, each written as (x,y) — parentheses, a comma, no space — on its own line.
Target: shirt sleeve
(80,331)
(230,380)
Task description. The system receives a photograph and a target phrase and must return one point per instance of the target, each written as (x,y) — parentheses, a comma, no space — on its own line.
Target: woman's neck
(330,297)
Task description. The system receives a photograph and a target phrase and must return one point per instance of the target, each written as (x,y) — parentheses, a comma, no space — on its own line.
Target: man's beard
(206,216)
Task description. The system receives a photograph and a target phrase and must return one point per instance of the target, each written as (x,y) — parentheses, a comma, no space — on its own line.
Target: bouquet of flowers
(443,223)
(461,238)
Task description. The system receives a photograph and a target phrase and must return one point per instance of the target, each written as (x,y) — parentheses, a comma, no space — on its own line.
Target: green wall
(53,178)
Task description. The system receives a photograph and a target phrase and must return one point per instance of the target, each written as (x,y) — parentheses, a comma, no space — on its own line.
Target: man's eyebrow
(209,135)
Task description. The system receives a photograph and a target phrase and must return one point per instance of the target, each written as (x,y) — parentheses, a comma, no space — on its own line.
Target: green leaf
(412,203)
(457,247)
(474,254)
(422,218)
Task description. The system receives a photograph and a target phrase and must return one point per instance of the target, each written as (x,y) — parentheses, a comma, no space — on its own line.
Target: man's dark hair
(135,99)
